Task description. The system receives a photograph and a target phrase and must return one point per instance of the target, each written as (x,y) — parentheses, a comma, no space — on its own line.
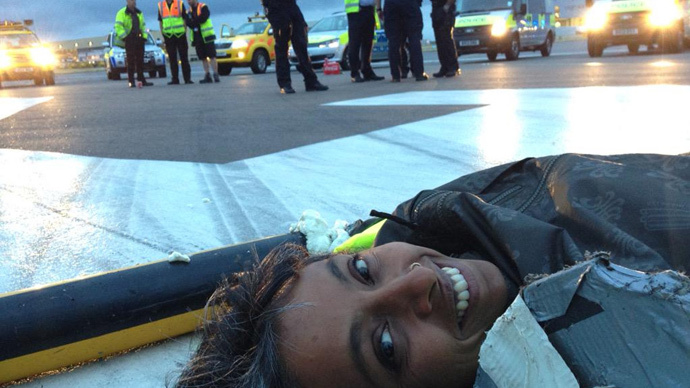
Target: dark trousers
(360,31)
(289,25)
(443,23)
(178,45)
(134,49)
(404,18)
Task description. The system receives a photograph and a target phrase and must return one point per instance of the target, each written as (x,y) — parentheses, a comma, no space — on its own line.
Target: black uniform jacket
(538,215)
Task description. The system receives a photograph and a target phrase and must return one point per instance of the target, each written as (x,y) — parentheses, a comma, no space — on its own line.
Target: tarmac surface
(96,176)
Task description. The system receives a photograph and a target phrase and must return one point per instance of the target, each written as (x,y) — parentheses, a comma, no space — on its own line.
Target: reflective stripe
(171,18)
(206,29)
(351,6)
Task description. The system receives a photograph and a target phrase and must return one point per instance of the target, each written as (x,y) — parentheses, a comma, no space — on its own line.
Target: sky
(73,19)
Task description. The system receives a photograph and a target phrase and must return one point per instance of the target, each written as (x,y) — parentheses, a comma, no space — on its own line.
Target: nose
(410,290)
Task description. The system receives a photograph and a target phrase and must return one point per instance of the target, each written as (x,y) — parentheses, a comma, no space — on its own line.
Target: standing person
(443,20)
(171,20)
(361,23)
(198,18)
(288,25)
(130,33)
(403,17)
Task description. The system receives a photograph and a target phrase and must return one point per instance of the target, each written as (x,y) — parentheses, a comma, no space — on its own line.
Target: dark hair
(239,344)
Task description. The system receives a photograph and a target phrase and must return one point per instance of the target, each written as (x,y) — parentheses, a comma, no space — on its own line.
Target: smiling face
(377,320)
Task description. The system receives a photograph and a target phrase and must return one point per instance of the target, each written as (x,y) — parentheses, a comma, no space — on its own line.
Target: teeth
(462,294)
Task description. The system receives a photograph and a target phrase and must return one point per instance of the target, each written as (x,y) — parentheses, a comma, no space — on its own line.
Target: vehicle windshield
(18,41)
(251,28)
(485,5)
(331,23)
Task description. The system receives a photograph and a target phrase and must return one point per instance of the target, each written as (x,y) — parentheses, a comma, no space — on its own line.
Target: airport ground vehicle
(252,45)
(22,57)
(116,59)
(328,39)
(655,23)
(504,26)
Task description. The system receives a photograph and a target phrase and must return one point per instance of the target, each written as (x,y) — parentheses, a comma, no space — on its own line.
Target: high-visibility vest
(123,26)
(206,28)
(351,6)
(171,18)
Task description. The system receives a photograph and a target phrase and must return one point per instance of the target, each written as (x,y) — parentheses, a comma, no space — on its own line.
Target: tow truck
(251,45)
(655,23)
(22,56)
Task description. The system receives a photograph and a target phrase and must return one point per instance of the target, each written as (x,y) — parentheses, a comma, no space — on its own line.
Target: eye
(362,269)
(387,348)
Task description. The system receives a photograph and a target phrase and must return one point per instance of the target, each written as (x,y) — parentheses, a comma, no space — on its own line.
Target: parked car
(251,45)
(116,59)
(328,39)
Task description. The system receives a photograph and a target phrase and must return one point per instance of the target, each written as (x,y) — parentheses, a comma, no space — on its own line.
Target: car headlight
(596,18)
(240,44)
(42,56)
(333,43)
(499,28)
(5,60)
(664,12)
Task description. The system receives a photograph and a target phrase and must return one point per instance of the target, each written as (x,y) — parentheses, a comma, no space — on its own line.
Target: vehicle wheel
(50,78)
(115,76)
(513,51)
(224,69)
(152,74)
(633,48)
(260,62)
(672,41)
(38,81)
(162,72)
(492,55)
(345,61)
(594,48)
(546,47)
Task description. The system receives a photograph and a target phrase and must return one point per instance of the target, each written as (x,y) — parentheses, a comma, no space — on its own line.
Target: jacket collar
(135,10)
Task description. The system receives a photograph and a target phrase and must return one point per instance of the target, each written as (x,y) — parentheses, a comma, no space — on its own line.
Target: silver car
(328,39)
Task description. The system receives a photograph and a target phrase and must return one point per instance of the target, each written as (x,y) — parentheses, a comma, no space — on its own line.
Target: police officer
(403,17)
(198,18)
(130,33)
(361,23)
(171,20)
(288,25)
(442,20)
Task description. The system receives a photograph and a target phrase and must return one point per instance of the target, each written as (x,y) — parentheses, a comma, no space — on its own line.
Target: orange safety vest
(206,29)
(171,18)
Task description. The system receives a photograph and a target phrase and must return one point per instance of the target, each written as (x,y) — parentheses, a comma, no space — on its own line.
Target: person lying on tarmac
(413,309)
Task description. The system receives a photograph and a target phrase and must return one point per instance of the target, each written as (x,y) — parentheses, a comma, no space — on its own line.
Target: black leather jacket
(538,215)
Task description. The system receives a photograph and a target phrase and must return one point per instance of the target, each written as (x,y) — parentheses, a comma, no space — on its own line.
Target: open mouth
(461,292)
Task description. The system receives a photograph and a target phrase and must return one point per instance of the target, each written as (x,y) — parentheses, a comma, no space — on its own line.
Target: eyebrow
(356,349)
(335,271)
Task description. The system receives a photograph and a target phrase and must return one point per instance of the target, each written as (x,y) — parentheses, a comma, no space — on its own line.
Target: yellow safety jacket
(171,18)
(351,6)
(206,28)
(123,26)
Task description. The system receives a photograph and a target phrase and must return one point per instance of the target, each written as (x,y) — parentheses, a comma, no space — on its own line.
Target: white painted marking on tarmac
(13,105)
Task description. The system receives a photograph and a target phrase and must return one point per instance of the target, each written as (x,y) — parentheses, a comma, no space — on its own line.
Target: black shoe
(216,77)
(146,83)
(287,90)
(357,79)
(207,79)
(395,79)
(453,73)
(188,82)
(373,77)
(441,73)
(174,82)
(316,87)
(423,77)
